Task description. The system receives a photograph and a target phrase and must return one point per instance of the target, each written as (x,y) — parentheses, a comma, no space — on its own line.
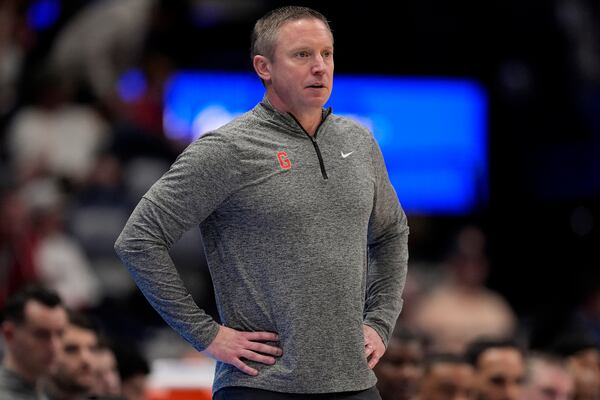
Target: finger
(250,355)
(261,336)
(264,348)
(368,350)
(374,360)
(239,364)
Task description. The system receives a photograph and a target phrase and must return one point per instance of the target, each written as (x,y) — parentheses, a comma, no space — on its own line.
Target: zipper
(314,141)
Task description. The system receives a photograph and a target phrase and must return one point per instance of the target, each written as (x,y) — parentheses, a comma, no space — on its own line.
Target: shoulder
(349,129)
(233,130)
(350,124)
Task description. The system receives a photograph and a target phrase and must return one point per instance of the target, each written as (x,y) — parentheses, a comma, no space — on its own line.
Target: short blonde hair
(264,34)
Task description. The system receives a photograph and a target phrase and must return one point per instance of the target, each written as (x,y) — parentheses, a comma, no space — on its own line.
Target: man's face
(585,367)
(448,381)
(400,369)
(549,382)
(500,374)
(301,71)
(108,382)
(35,343)
(134,388)
(73,370)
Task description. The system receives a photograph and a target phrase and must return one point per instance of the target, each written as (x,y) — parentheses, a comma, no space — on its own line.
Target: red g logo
(284,162)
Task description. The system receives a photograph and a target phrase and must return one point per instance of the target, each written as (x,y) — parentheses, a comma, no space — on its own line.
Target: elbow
(120,246)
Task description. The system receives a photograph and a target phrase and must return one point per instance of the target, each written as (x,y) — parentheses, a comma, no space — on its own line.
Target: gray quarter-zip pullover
(303,237)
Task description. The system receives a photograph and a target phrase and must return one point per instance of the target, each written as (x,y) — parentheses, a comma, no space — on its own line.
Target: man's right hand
(231,346)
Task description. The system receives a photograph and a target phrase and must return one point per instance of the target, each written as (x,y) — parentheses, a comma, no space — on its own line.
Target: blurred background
(82,136)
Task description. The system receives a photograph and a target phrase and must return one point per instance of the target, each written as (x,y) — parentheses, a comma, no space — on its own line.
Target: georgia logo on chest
(284,161)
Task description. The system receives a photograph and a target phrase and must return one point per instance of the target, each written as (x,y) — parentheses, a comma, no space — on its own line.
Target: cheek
(30,346)
(68,364)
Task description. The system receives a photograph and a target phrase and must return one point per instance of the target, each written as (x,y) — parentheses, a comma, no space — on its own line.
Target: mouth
(316,86)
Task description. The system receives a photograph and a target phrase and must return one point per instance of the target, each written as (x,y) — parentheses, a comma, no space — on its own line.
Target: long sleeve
(200,179)
(388,253)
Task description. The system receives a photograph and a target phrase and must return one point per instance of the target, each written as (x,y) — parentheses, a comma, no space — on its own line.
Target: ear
(262,66)
(8,330)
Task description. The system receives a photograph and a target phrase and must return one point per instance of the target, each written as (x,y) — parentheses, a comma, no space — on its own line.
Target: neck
(308,123)
(309,119)
(13,365)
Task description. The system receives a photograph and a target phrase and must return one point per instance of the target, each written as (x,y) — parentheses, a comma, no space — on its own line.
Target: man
(293,203)
(400,370)
(107,380)
(133,371)
(548,379)
(72,376)
(33,325)
(461,308)
(447,377)
(582,358)
(500,369)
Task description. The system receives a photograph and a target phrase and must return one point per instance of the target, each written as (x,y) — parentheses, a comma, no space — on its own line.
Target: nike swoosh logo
(346,155)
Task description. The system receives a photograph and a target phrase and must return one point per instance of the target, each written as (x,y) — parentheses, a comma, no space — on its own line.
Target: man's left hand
(374,347)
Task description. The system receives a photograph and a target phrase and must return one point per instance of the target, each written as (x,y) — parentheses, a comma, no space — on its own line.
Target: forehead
(79,336)
(38,315)
(589,357)
(106,358)
(506,360)
(405,349)
(305,31)
(452,370)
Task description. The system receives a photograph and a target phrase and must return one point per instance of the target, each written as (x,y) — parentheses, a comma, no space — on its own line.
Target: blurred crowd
(487,369)
(78,148)
(77,151)
(51,351)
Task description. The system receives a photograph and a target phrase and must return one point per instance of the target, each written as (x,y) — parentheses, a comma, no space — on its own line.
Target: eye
(303,54)
(71,349)
(327,54)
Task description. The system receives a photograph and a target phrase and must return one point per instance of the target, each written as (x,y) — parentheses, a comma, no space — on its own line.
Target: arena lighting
(131,85)
(42,14)
(432,132)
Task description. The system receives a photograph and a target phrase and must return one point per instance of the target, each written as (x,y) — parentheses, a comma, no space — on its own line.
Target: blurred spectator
(101,41)
(108,382)
(461,308)
(146,110)
(72,375)
(61,263)
(139,132)
(96,215)
(17,244)
(33,325)
(447,377)
(55,136)
(586,316)
(400,369)
(499,367)
(582,356)
(578,21)
(547,378)
(100,209)
(134,371)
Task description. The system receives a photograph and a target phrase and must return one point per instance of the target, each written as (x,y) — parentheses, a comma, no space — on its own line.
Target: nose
(319,65)
(55,344)
(513,392)
(87,357)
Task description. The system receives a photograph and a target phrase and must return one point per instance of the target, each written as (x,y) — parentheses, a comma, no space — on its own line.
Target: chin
(319,102)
